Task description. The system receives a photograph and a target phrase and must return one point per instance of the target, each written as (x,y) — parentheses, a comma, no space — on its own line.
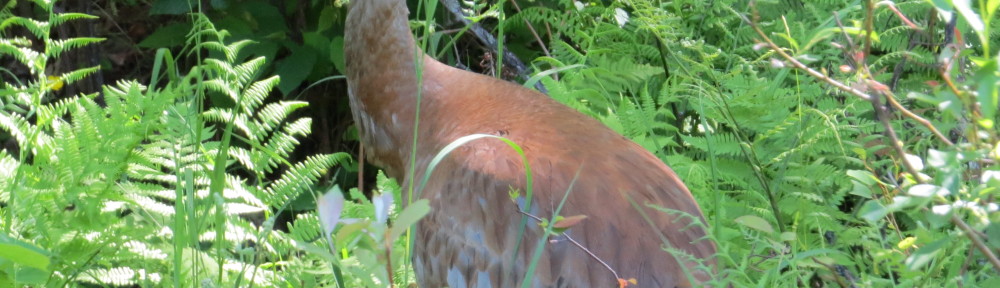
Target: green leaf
(513,194)
(319,42)
(941,160)
(927,190)
(916,161)
(219,4)
(926,254)
(788,236)
(408,217)
(266,18)
(621,17)
(327,18)
(863,180)
(5,281)
(170,7)
(988,81)
(171,35)
(23,253)
(873,211)
(755,222)
(337,54)
(940,215)
(990,282)
(295,68)
(993,232)
(964,8)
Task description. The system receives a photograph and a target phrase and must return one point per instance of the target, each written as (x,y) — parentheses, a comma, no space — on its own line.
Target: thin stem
(892,6)
(816,74)
(532,29)
(882,114)
(571,240)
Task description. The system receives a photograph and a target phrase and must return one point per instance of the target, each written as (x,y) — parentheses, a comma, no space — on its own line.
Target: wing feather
(468,239)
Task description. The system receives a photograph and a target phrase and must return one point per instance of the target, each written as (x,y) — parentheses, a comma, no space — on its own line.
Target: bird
(469,237)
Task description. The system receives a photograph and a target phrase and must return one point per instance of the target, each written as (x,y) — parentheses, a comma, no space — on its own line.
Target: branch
(883,118)
(803,67)
(532,29)
(892,6)
(841,86)
(490,41)
(571,240)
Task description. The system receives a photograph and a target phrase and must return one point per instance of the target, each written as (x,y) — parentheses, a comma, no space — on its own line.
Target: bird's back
(474,227)
(470,236)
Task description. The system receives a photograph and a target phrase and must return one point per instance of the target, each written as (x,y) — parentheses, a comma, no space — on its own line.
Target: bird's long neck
(380,57)
(377,35)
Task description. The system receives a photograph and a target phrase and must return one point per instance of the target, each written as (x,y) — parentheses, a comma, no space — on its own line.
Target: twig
(843,87)
(931,22)
(571,240)
(890,217)
(880,111)
(971,234)
(803,67)
(921,120)
(843,32)
(837,276)
(490,41)
(361,168)
(892,6)
(869,27)
(388,258)
(532,29)
(883,118)
(890,97)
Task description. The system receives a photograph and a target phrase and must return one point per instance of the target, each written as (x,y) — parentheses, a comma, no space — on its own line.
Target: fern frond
(77,75)
(60,18)
(57,47)
(221,86)
(722,144)
(118,276)
(254,95)
(269,116)
(24,55)
(8,166)
(283,142)
(306,227)
(17,126)
(145,251)
(246,71)
(249,195)
(39,28)
(297,178)
(225,70)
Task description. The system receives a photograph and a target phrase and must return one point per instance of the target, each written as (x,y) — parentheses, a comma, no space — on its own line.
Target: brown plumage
(468,238)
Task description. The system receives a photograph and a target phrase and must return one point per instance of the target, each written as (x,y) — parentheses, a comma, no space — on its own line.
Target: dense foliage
(829,144)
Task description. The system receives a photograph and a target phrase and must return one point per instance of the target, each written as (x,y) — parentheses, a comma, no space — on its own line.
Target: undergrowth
(143,185)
